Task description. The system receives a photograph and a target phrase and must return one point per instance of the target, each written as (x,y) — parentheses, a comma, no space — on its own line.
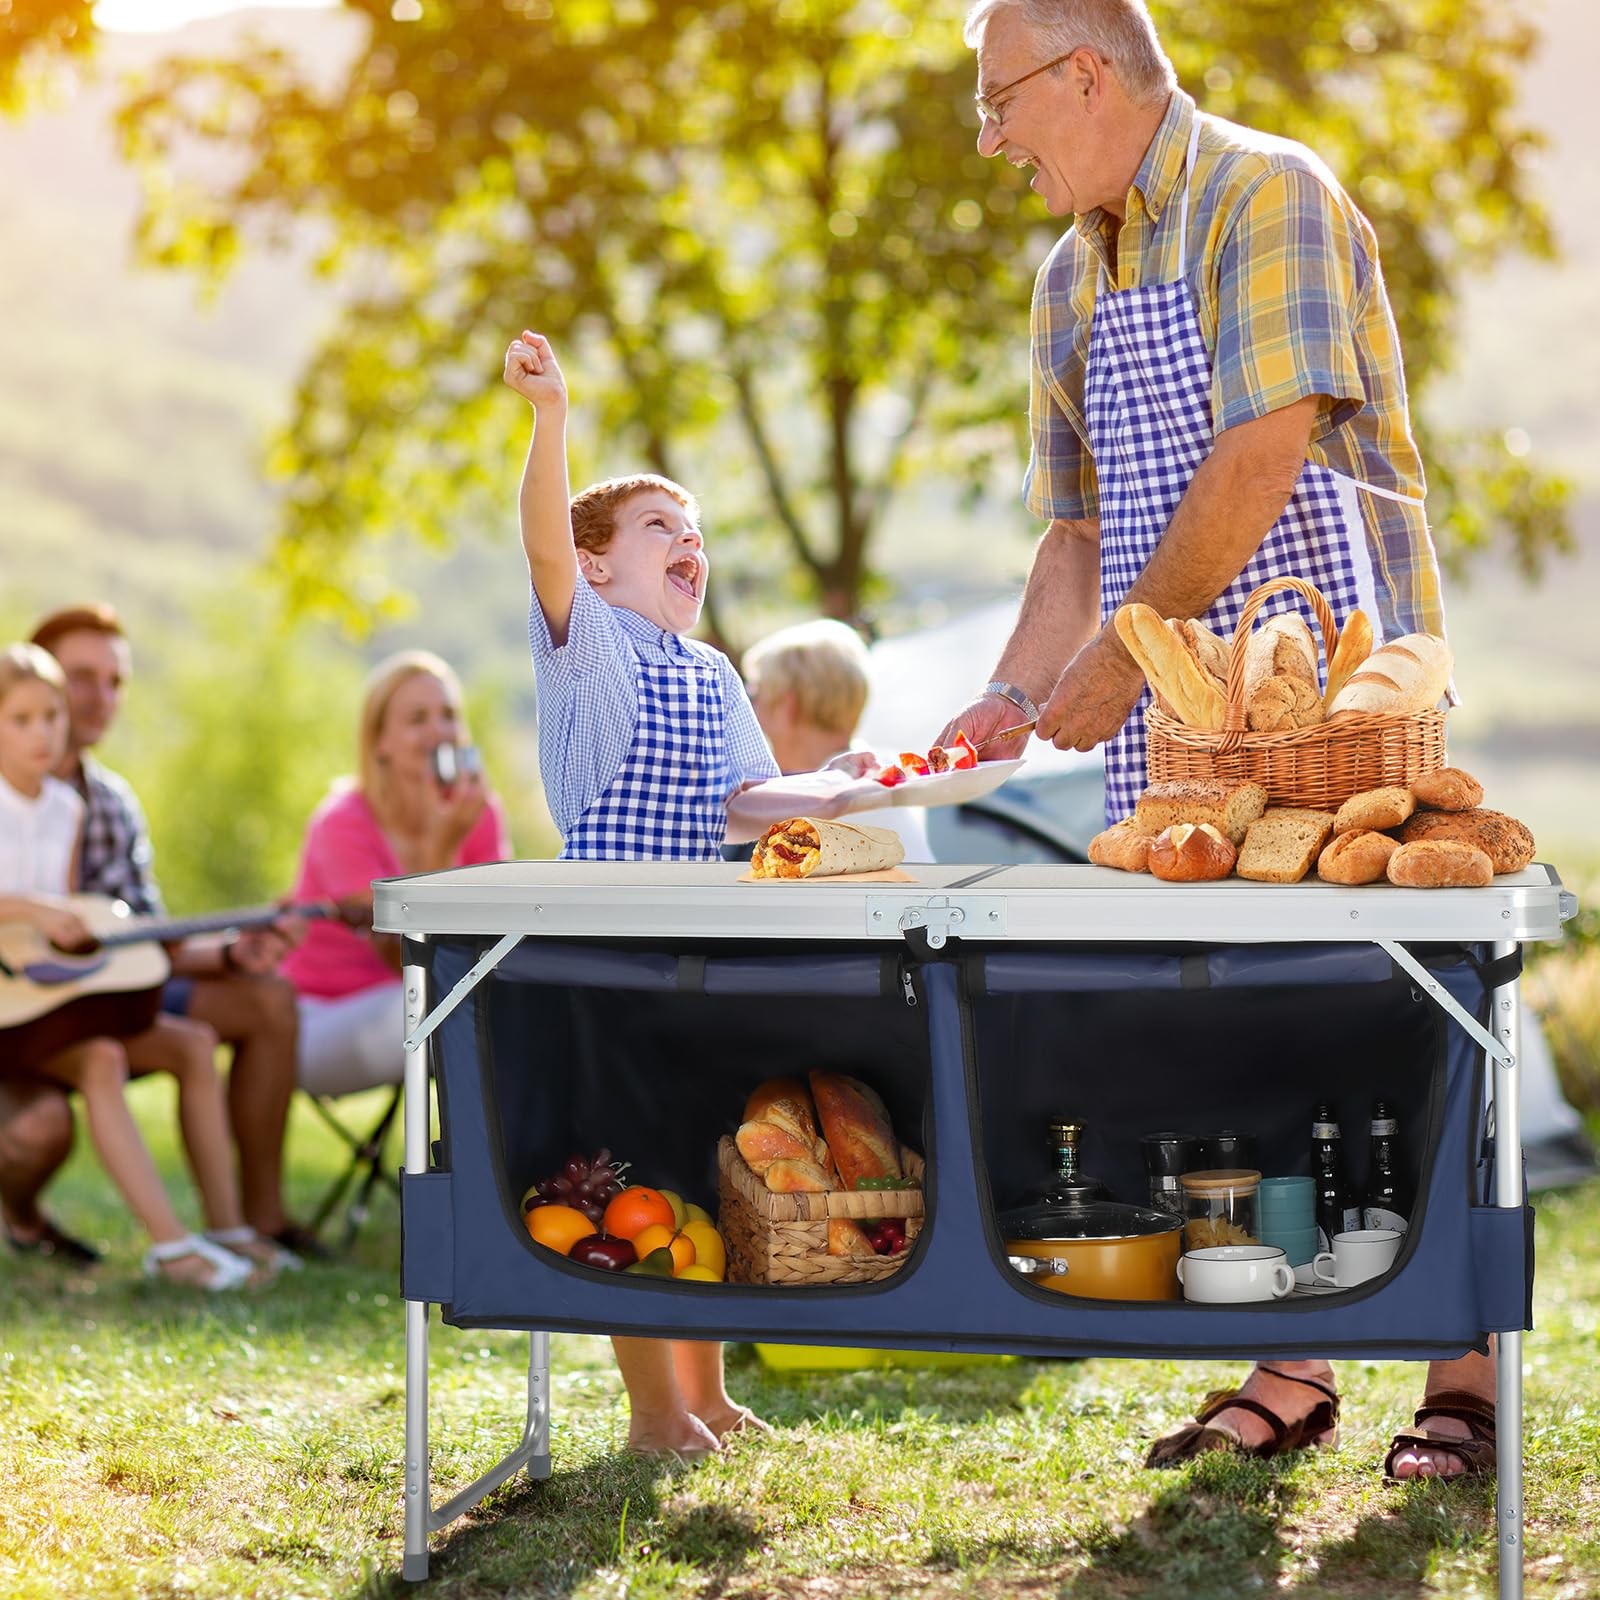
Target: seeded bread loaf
(1448,789)
(1506,842)
(1229,807)
(1398,679)
(1359,856)
(1282,843)
(1375,809)
(1440,864)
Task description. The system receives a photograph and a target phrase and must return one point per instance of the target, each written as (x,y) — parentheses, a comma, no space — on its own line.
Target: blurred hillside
(133,419)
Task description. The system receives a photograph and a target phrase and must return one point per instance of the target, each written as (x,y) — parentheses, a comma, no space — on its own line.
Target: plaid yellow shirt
(1284,274)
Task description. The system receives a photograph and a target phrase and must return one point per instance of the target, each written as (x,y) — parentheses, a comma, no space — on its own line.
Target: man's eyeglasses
(989,108)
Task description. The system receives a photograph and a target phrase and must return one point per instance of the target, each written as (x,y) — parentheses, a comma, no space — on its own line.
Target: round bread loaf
(1440,864)
(1506,842)
(1359,856)
(1375,808)
(1185,853)
(1448,789)
(1123,847)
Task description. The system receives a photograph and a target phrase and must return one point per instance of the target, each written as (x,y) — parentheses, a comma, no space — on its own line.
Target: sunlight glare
(159,16)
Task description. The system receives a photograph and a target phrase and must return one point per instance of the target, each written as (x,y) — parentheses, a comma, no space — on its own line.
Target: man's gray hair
(1118,31)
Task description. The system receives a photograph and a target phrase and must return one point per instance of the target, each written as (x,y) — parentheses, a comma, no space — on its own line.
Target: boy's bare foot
(679,1433)
(735,1419)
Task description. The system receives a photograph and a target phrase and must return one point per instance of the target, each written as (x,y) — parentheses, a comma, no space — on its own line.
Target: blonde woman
(396,816)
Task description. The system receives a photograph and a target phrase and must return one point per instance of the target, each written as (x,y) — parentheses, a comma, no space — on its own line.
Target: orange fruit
(634,1210)
(661,1237)
(558,1228)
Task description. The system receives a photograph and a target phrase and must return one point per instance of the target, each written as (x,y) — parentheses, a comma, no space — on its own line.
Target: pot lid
(1100,1219)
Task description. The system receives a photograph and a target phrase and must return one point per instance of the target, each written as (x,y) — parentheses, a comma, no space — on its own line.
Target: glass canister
(1219,1207)
(1166,1156)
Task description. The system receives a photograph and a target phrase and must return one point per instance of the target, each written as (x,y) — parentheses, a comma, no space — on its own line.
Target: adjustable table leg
(1508,1181)
(419,1489)
(537,1432)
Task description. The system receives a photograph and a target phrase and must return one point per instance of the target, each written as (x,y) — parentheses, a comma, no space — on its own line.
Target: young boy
(648,745)
(650,751)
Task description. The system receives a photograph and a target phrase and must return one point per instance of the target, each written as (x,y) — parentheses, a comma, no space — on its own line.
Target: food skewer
(1007,733)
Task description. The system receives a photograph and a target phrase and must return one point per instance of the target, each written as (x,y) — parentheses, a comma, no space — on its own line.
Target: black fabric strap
(1501,970)
(691,974)
(1194,972)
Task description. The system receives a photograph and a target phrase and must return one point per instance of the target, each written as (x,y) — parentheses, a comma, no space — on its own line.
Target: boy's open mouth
(684,574)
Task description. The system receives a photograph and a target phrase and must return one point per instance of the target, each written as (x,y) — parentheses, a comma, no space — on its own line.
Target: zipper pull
(907,987)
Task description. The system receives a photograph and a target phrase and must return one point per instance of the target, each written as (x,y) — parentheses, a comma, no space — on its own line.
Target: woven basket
(1320,766)
(783,1238)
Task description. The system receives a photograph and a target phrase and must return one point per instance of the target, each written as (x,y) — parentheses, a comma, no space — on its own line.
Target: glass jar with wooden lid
(1219,1207)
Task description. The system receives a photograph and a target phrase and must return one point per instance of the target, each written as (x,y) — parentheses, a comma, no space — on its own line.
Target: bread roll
(1440,864)
(1353,648)
(1185,853)
(1122,846)
(1356,857)
(1375,808)
(1507,842)
(1282,843)
(1229,807)
(1168,668)
(1399,679)
(1282,647)
(1448,789)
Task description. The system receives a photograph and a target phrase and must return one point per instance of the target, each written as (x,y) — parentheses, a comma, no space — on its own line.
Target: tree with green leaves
(36,33)
(765,226)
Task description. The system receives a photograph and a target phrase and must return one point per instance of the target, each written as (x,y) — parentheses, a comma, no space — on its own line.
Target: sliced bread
(1230,808)
(1283,843)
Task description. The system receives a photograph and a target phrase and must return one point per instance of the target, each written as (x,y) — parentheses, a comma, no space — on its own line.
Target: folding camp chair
(367,1168)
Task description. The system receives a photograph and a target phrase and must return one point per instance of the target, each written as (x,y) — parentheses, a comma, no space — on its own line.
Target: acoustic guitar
(52,998)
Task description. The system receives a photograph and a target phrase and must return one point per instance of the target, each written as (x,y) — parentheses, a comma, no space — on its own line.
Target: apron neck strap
(1183,210)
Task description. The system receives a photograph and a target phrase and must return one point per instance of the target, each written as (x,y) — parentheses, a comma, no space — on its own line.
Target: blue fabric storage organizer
(652,1051)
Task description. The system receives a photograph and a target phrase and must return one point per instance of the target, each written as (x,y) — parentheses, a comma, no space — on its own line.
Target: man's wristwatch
(1018,697)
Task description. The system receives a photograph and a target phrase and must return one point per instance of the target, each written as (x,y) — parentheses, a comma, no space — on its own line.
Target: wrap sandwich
(806,847)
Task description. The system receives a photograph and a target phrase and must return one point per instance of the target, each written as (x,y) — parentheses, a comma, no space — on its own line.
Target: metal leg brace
(533,1452)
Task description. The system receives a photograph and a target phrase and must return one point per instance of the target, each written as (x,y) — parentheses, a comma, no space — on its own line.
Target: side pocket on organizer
(1502,1250)
(427,1242)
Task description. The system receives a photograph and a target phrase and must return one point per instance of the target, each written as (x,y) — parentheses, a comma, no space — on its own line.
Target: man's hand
(531,370)
(985,716)
(1092,698)
(66,930)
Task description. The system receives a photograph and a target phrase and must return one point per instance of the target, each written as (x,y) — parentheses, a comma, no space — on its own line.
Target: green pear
(680,1212)
(658,1264)
(529,1196)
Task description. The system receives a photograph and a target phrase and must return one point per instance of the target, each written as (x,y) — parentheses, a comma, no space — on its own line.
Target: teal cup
(1299,1245)
(1286,1203)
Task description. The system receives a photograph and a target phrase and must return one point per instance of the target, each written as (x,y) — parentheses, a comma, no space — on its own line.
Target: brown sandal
(1318,1428)
(1478,1452)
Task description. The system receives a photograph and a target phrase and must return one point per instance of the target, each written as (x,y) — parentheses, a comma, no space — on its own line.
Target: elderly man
(1217,399)
(230,986)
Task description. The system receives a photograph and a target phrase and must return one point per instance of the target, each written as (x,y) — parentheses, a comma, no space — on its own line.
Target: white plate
(937,789)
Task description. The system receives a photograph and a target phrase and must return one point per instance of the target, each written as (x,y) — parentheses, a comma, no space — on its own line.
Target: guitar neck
(172,930)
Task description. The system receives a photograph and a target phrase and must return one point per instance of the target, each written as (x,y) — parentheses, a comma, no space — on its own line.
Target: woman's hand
(452,814)
(66,930)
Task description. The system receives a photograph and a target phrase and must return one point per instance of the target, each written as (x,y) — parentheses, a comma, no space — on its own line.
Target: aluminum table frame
(1061,904)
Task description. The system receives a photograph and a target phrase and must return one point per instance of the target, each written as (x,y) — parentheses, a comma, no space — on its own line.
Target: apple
(601,1250)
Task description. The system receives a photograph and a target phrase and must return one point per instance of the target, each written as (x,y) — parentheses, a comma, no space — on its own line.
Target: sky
(156,16)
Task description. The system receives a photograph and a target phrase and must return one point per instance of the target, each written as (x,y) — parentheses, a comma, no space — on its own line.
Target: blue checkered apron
(667,800)
(1147,405)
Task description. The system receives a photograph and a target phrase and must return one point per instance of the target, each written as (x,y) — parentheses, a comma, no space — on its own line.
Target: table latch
(940,916)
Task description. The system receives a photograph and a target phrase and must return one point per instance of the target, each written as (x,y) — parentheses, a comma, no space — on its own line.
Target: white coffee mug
(1233,1274)
(1356,1256)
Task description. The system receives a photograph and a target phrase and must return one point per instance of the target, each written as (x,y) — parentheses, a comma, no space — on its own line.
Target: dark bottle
(1387,1202)
(1067,1185)
(1337,1211)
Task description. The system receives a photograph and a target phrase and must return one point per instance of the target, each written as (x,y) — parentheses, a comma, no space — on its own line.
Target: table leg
(419,1487)
(1508,1181)
(537,1433)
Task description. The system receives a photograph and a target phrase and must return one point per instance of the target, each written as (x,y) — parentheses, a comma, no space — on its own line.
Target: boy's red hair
(594,512)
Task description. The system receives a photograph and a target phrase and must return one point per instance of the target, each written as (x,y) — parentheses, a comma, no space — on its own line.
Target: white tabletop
(1077,904)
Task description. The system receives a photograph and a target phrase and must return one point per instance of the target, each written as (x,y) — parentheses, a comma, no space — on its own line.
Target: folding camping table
(563,1005)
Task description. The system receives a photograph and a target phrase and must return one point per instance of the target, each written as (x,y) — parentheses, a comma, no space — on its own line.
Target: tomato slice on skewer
(916,766)
(889,776)
(963,753)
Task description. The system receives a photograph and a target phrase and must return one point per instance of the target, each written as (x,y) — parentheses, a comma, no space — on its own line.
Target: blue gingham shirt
(589,701)
(116,858)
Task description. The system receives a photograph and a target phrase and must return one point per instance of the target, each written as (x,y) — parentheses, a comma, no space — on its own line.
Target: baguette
(1398,680)
(1168,667)
(1353,648)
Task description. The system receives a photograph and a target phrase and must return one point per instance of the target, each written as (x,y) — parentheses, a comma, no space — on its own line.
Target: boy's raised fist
(531,370)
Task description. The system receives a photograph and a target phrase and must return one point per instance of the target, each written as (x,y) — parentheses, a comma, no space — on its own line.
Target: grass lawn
(158,1443)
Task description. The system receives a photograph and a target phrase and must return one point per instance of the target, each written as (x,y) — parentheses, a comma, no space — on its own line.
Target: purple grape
(562,1186)
(602,1158)
(577,1169)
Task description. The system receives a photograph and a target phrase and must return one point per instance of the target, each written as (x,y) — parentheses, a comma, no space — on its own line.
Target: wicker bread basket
(783,1238)
(1320,766)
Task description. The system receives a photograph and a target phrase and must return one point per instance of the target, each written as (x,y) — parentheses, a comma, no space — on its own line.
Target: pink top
(345,850)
